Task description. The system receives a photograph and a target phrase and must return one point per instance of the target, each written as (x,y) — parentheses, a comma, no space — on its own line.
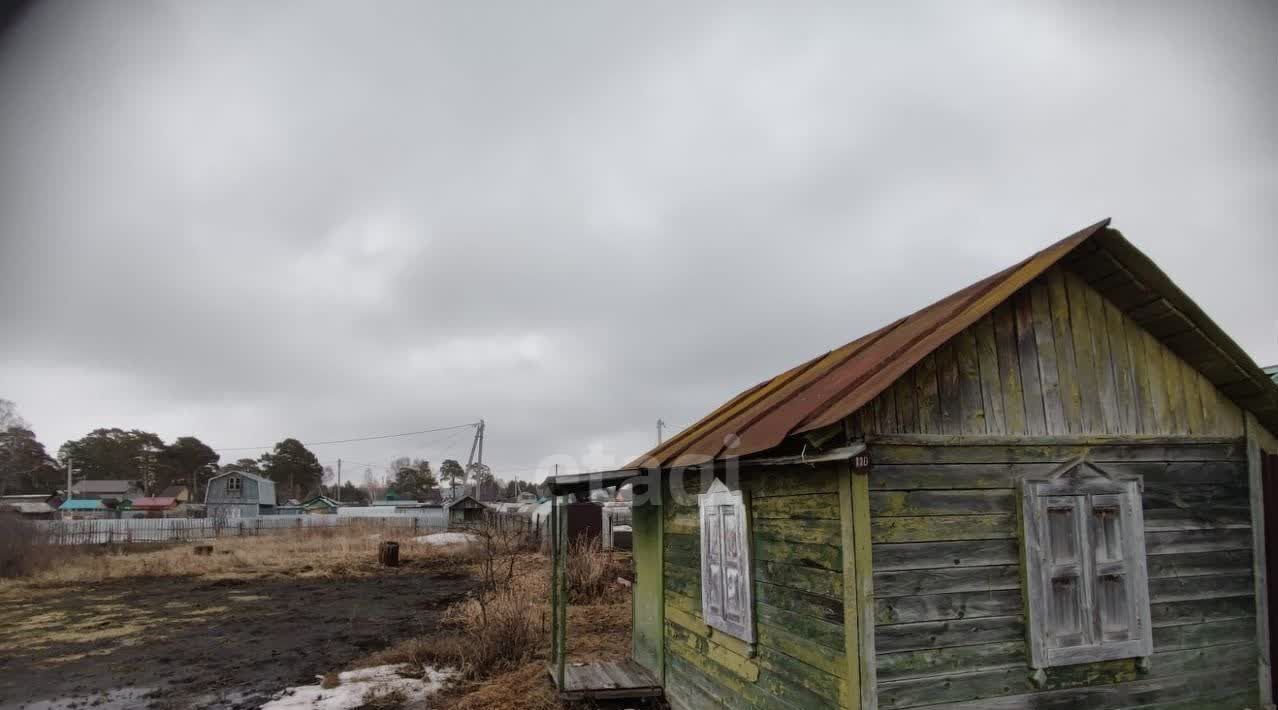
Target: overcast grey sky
(249,220)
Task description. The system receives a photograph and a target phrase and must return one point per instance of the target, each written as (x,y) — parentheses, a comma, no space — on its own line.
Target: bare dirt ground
(230,639)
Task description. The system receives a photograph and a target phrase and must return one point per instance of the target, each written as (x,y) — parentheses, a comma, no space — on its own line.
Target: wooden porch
(607,680)
(595,680)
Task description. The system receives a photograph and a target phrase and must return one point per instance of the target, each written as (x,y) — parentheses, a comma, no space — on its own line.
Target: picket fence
(130,530)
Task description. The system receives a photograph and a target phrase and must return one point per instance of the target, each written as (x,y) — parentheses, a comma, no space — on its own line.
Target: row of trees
(135,455)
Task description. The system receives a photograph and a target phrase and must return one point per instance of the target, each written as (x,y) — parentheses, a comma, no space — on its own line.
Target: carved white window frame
(1084,489)
(725,537)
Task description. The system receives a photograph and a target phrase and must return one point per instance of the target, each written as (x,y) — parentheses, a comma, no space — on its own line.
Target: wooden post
(558,590)
(861,686)
(1256,486)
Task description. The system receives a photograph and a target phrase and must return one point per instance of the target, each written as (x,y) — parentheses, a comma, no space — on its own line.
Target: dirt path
(187,642)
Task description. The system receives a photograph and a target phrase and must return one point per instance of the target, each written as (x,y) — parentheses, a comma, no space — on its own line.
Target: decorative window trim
(734,579)
(1082,488)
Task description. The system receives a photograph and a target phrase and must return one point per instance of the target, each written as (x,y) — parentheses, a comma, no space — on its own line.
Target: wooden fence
(130,530)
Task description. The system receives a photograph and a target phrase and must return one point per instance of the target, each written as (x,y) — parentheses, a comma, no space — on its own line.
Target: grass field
(165,628)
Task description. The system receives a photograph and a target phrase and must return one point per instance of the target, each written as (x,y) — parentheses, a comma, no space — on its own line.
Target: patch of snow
(355,685)
(447,538)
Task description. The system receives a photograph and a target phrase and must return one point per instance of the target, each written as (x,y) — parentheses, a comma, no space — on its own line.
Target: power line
(349,441)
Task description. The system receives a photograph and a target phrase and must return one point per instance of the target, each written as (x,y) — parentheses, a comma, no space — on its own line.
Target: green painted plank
(942,527)
(932,502)
(941,607)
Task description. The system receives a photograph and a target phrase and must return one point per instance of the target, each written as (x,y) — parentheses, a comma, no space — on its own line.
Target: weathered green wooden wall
(949,625)
(799,659)
(1055,359)
(647,607)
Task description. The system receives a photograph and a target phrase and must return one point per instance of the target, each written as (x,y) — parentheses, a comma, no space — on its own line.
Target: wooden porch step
(607,680)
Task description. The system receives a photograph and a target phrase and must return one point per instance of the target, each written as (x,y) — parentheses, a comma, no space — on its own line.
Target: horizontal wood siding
(1056,359)
(798,660)
(950,630)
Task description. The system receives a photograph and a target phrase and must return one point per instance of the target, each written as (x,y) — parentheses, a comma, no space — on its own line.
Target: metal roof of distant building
(154,502)
(82,504)
(824,390)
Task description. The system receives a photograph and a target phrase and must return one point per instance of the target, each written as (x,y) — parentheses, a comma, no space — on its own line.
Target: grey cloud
(250,221)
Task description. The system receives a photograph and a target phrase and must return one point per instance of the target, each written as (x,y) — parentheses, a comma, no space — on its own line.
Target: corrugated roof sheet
(82,504)
(824,390)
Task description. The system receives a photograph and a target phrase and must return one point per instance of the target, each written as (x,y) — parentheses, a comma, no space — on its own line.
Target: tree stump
(388,554)
(203,549)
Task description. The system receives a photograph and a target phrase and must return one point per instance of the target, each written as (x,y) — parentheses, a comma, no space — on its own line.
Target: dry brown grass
(502,648)
(314,552)
(592,570)
(22,551)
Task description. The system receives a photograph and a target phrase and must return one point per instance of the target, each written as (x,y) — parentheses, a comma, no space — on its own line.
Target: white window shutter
(1085,567)
(726,591)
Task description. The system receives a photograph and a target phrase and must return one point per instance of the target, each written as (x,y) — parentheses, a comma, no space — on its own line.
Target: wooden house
(239,494)
(1043,491)
(464,509)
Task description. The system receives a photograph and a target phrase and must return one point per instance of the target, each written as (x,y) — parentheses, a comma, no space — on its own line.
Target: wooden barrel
(388,554)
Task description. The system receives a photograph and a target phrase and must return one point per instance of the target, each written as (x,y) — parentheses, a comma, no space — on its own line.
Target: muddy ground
(188,642)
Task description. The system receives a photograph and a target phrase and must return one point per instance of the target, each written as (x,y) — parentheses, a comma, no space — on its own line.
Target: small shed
(181,494)
(466,509)
(1045,490)
(154,507)
(239,494)
(320,505)
(84,509)
(34,506)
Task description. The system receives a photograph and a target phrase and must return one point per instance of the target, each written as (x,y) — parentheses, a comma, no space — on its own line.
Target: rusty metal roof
(824,390)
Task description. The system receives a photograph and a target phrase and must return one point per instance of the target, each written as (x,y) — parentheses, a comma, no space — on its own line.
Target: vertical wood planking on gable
(947,376)
(1027,355)
(1193,398)
(1034,366)
(907,411)
(1084,355)
(1211,406)
(1175,390)
(1166,421)
(969,371)
(1053,405)
(1105,384)
(1009,368)
(926,396)
(885,410)
(1128,408)
(1067,370)
(991,384)
(1140,379)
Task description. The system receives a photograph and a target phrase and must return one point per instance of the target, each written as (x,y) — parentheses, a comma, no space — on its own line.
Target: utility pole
(339,480)
(660,425)
(477,444)
(68,478)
